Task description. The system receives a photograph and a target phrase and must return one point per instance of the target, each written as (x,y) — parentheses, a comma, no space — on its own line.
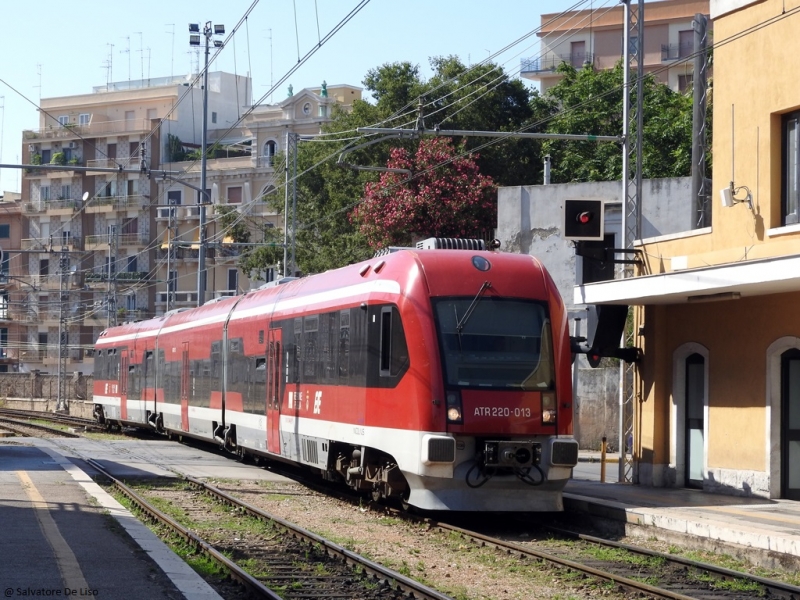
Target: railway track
(633,568)
(61,419)
(26,428)
(285,561)
(636,570)
(723,579)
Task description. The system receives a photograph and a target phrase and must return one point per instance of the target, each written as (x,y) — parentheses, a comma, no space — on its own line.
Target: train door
(123,384)
(790,424)
(185,387)
(274,390)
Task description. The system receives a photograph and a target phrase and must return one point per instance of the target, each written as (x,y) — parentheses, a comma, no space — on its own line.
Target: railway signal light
(583,219)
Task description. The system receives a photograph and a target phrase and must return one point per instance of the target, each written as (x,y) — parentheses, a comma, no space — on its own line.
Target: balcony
(94,129)
(107,204)
(128,162)
(53,282)
(52,244)
(33,208)
(673,52)
(550,62)
(62,206)
(122,277)
(179,253)
(74,355)
(123,240)
(179,300)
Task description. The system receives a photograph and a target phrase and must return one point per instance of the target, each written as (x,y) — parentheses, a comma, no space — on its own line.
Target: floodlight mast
(194,40)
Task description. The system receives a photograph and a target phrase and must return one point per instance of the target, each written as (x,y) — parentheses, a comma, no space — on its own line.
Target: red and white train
(437,376)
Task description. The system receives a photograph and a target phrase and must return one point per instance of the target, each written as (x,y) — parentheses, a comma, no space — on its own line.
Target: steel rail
(56,418)
(774,588)
(401,582)
(512,548)
(247,580)
(17,427)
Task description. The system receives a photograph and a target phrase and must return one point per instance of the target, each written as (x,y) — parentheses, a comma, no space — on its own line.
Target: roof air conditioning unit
(72,145)
(31,148)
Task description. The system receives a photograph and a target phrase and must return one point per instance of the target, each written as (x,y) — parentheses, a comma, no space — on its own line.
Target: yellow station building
(717,391)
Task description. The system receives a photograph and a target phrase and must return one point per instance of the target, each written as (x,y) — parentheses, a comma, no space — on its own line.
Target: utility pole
(63,331)
(194,40)
(290,171)
(111,299)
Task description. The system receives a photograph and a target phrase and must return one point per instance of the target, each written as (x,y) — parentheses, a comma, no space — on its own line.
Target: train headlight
(548,409)
(454,412)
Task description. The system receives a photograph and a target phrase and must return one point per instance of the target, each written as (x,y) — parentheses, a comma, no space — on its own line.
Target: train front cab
(508,408)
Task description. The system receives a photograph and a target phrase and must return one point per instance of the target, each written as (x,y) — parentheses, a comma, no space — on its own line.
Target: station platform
(759,530)
(64,536)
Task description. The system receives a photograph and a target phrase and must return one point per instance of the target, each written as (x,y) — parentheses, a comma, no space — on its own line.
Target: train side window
(297,361)
(149,370)
(388,349)
(344,345)
(310,348)
(386,341)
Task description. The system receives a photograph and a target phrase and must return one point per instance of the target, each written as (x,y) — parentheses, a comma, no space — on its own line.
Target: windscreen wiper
(460,325)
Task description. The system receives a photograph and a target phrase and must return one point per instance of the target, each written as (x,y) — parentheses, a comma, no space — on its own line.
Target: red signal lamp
(584,217)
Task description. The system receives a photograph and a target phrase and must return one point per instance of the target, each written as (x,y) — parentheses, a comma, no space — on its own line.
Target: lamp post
(194,40)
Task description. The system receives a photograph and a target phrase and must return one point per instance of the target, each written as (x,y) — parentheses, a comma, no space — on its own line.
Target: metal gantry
(700,184)
(633,42)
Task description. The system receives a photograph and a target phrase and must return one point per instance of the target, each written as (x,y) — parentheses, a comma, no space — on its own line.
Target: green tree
(445,195)
(590,102)
(453,98)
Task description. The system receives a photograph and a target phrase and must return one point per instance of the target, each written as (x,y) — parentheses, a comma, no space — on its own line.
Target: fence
(44,386)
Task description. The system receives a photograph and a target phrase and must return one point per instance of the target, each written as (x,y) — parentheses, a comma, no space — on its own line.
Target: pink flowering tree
(445,196)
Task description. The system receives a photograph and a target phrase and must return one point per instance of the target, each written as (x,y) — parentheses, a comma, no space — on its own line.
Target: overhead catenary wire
(718,44)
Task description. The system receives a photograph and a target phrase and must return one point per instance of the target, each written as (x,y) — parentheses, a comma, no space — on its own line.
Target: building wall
(740,439)
(601,30)
(747,141)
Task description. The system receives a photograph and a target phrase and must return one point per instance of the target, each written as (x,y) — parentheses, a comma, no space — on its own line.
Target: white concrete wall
(529,220)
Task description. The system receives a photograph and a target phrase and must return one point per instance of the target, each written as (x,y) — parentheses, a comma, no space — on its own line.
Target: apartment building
(241,178)
(102,241)
(718,387)
(14,291)
(594,37)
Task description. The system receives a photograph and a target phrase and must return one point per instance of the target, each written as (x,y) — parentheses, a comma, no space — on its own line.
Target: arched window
(270,149)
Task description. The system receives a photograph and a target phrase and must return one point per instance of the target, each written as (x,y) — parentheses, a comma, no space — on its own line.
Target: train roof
(385,277)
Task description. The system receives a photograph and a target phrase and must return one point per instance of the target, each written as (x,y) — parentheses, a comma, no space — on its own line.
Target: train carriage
(438,376)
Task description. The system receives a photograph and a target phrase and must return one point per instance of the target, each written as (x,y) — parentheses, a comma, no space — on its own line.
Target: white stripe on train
(354,291)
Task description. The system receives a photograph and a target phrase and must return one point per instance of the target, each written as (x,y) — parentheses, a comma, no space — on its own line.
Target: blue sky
(57,49)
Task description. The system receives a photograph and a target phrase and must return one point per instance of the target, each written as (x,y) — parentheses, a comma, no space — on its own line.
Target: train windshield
(504,343)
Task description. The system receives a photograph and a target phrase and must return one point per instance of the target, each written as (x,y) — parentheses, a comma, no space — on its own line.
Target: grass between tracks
(202,564)
(445,561)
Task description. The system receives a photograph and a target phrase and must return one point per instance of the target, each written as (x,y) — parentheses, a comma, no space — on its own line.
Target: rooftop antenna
(108,65)
(141,52)
(39,72)
(128,52)
(172,58)
(271,82)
